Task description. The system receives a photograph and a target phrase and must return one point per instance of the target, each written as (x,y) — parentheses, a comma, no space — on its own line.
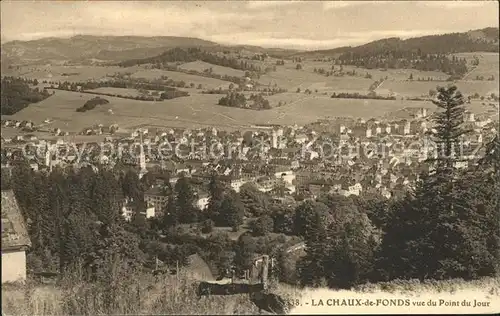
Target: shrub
(91,104)
(207,226)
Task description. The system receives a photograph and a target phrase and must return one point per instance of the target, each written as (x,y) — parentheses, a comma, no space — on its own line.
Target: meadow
(421,88)
(488,65)
(207,83)
(73,73)
(291,79)
(200,66)
(201,110)
(117,91)
(395,74)
(84,73)
(484,88)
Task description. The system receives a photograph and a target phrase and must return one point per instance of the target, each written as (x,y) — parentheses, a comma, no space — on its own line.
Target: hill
(485,40)
(98,47)
(85,48)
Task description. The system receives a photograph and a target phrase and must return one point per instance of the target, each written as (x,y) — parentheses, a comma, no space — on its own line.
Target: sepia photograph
(250,157)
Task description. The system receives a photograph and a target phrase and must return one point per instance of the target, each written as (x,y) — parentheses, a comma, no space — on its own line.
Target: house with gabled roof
(15,240)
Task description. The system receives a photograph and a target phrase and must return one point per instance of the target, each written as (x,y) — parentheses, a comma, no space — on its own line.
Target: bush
(263,225)
(207,226)
(91,104)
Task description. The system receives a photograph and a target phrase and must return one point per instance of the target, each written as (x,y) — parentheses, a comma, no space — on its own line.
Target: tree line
(129,83)
(190,55)
(84,87)
(371,95)
(235,99)
(407,60)
(17,94)
(91,104)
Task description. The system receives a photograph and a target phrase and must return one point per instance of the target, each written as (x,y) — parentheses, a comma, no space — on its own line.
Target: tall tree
(312,266)
(184,201)
(256,202)
(232,211)
(440,230)
(305,217)
(216,196)
(245,250)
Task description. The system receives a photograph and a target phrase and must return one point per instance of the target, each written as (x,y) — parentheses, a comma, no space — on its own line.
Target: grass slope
(200,110)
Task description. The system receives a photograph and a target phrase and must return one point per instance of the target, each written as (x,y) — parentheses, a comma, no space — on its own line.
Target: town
(291,163)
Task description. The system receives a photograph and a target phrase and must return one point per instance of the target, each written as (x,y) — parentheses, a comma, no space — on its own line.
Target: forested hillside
(426,53)
(193,54)
(478,40)
(17,94)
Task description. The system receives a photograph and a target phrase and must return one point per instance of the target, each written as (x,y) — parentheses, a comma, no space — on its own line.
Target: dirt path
(464,77)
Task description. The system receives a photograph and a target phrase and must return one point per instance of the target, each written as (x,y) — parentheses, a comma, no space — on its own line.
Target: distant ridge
(476,40)
(120,48)
(98,47)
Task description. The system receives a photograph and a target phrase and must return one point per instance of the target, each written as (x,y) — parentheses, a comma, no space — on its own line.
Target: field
(484,88)
(84,73)
(421,88)
(142,294)
(220,70)
(207,83)
(74,73)
(488,65)
(201,110)
(396,74)
(117,91)
(292,79)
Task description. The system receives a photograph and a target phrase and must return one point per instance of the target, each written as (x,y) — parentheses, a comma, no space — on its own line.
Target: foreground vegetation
(140,294)
(145,294)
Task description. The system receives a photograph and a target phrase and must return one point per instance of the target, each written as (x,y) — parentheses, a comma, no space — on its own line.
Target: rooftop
(14,233)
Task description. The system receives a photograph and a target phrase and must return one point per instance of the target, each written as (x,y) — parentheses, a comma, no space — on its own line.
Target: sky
(287,24)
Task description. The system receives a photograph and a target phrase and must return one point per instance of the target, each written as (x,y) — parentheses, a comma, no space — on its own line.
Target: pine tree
(170,216)
(439,234)
(184,201)
(232,211)
(312,270)
(305,214)
(449,130)
(256,203)
(438,193)
(70,251)
(216,195)
(245,249)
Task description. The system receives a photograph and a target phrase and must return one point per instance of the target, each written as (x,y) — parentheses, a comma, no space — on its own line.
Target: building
(15,240)
(127,210)
(150,211)
(236,184)
(155,197)
(202,201)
